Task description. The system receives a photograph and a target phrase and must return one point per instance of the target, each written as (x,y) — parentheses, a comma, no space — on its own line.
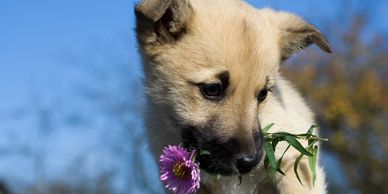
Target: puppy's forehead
(236,39)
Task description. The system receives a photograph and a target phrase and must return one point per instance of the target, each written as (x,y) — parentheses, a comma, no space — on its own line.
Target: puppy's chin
(217,166)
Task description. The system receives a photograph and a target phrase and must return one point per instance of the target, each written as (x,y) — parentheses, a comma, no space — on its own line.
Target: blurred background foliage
(347,90)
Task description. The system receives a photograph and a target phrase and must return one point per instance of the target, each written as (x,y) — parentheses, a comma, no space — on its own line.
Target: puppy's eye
(262,95)
(211,91)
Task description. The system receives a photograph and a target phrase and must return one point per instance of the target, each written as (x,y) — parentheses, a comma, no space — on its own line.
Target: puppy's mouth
(220,157)
(213,157)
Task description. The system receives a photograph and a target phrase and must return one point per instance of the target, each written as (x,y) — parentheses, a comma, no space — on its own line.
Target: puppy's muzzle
(246,161)
(226,158)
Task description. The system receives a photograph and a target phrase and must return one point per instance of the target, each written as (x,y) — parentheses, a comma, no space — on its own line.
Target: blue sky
(40,39)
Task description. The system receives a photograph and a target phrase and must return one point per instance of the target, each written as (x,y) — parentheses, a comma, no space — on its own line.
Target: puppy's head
(210,66)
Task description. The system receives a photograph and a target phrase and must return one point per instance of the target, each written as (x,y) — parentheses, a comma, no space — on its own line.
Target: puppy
(212,81)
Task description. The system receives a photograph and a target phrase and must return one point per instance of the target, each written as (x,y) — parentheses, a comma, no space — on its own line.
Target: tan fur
(226,35)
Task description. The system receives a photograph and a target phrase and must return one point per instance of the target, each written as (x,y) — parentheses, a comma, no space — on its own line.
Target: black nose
(246,163)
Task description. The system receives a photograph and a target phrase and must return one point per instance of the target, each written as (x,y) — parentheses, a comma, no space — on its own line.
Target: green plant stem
(299,136)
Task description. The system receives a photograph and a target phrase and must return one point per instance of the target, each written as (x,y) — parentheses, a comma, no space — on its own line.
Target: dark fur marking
(224,78)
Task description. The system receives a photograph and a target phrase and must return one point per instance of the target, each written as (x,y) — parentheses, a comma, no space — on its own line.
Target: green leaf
(295,143)
(266,162)
(275,143)
(282,135)
(271,140)
(265,130)
(270,154)
(280,171)
(296,167)
(204,152)
(279,163)
(311,143)
(310,131)
(313,164)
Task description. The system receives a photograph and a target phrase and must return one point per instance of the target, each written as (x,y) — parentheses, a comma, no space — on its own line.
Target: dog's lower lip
(220,172)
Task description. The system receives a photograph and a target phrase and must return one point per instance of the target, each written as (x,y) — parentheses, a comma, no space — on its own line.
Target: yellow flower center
(180,170)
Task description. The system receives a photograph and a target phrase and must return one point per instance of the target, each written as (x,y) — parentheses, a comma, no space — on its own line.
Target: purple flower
(179,172)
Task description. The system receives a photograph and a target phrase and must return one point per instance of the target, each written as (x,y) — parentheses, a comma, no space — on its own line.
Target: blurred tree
(4,188)
(112,90)
(101,185)
(116,88)
(349,92)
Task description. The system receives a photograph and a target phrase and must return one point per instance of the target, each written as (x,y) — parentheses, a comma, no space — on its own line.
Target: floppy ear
(296,34)
(162,20)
